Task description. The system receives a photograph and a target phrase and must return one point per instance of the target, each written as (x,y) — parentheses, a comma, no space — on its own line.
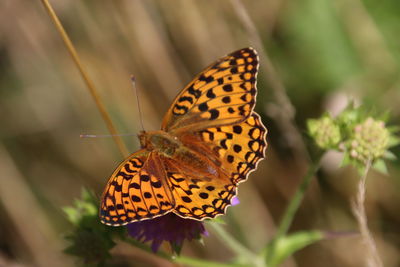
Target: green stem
(294,204)
(146,248)
(235,246)
(202,263)
(179,259)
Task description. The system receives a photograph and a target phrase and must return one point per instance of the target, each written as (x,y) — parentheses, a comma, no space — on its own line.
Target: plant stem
(202,263)
(373,259)
(89,83)
(146,248)
(179,259)
(235,246)
(297,199)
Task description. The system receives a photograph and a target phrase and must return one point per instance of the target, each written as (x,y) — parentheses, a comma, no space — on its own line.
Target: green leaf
(393,141)
(360,167)
(385,116)
(85,206)
(72,214)
(176,247)
(218,220)
(89,239)
(278,250)
(91,246)
(389,155)
(380,166)
(393,128)
(346,160)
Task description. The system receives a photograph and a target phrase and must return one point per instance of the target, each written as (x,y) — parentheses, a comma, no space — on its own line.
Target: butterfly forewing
(222,94)
(136,191)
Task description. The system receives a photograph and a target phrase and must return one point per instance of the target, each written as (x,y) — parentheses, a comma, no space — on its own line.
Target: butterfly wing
(197,196)
(224,93)
(229,152)
(136,191)
(239,147)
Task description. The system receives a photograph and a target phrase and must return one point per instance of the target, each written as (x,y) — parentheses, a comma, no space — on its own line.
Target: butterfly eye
(142,139)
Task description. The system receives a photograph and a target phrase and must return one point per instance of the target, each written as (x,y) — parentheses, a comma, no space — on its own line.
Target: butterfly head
(142,138)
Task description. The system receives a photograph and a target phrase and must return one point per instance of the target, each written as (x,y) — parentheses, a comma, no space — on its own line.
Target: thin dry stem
(89,83)
(372,257)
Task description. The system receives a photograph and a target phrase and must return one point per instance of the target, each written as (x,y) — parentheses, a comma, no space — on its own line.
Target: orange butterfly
(210,140)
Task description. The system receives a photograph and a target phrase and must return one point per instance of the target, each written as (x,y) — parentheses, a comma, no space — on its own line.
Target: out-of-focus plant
(89,240)
(325,132)
(365,141)
(360,135)
(368,139)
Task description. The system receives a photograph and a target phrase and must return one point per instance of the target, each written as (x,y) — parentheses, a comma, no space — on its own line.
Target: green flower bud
(370,140)
(325,132)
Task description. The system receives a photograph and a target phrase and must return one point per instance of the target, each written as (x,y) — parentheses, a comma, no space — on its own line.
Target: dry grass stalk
(372,257)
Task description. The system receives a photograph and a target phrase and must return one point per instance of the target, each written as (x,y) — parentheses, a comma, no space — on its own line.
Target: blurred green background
(324,53)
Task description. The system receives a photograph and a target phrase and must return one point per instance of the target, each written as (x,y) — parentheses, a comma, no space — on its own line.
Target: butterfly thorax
(160,141)
(172,147)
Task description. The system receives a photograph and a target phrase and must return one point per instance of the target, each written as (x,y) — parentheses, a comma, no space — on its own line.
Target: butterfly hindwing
(239,147)
(199,197)
(222,94)
(136,191)
(233,150)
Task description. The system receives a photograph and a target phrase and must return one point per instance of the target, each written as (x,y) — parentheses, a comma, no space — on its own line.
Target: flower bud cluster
(325,132)
(369,141)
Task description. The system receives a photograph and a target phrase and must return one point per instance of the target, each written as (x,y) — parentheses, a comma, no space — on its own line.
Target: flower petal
(170,228)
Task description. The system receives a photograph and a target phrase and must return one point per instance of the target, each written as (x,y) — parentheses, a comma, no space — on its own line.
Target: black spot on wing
(214,113)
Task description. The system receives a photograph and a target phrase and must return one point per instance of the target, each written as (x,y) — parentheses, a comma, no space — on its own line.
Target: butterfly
(209,142)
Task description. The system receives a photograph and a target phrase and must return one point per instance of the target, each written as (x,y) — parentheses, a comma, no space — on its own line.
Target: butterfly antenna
(137,100)
(102,135)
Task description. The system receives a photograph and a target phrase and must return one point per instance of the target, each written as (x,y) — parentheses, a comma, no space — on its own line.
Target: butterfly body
(195,159)
(209,142)
(160,141)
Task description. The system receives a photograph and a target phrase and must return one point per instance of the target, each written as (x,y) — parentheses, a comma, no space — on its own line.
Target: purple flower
(235,201)
(170,228)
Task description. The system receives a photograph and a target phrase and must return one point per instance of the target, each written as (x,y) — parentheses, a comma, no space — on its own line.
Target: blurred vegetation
(324,53)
